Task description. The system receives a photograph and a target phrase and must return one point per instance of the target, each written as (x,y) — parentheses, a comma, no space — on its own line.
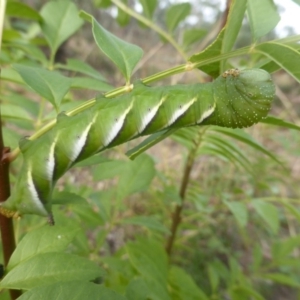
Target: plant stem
(6,224)
(176,216)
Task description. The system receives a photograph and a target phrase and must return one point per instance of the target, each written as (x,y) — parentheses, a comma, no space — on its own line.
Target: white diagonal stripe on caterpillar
(180,111)
(207,113)
(117,126)
(80,142)
(34,194)
(150,115)
(50,164)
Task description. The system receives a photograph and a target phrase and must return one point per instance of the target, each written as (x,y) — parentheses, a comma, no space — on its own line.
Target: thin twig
(176,216)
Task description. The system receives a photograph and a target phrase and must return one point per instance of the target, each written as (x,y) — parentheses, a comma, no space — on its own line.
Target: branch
(176,216)
(6,224)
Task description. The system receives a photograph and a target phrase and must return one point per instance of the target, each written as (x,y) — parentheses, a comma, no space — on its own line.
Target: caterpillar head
(242,98)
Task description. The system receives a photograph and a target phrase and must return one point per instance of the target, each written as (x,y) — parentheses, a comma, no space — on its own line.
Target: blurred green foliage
(236,192)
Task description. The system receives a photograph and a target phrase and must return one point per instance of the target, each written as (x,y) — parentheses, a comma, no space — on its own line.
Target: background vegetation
(209,213)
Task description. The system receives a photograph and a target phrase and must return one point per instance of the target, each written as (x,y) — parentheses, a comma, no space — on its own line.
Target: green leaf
(257,254)
(124,55)
(235,271)
(268,212)
(158,290)
(211,150)
(32,50)
(282,279)
(5,295)
(213,50)
(282,249)
(186,136)
(65,198)
(213,145)
(224,41)
(145,289)
(123,18)
(239,210)
(80,66)
(191,36)
(11,111)
(170,195)
(21,10)
(221,268)
(138,289)
(109,169)
(93,160)
(150,260)
(242,136)
(263,17)
(136,177)
(104,200)
(49,84)
(31,106)
(149,142)
(148,222)
(230,150)
(183,286)
(90,84)
(85,16)
(11,75)
(88,215)
(47,268)
(292,209)
(60,21)
(233,24)
(243,292)
(149,7)
(43,240)
(177,13)
(285,56)
(269,66)
(213,278)
(279,122)
(103,3)
(75,290)
(9,35)
(11,138)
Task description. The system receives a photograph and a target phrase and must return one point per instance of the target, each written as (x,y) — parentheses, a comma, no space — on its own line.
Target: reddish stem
(6,224)
(176,216)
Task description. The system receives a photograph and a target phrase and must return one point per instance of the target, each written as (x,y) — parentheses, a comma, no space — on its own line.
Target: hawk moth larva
(235,99)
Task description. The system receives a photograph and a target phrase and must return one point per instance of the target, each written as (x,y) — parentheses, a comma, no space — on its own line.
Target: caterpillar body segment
(234,99)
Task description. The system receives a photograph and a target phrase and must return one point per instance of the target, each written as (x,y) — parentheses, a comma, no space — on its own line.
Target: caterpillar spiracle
(235,99)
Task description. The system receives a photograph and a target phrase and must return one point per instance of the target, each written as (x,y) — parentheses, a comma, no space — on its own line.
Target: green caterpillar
(234,99)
